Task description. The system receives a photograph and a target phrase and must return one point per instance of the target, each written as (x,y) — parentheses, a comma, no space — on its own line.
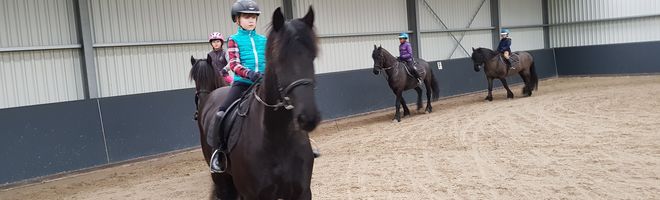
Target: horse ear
(375,47)
(309,17)
(278,19)
(473,49)
(192,60)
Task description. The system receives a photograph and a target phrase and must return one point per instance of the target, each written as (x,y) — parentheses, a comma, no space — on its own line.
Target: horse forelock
(203,74)
(295,31)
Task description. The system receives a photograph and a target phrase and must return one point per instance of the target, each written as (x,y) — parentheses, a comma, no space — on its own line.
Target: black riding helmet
(244,6)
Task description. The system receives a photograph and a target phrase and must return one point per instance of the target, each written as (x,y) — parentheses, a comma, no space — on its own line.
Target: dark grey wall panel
(47,139)
(147,124)
(631,58)
(544,59)
(346,93)
(457,76)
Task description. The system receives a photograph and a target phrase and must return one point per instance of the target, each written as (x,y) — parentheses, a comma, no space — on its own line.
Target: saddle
(419,70)
(234,117)
(513,57)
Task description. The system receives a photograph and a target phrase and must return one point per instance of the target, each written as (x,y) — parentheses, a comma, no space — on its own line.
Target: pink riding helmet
(216,36)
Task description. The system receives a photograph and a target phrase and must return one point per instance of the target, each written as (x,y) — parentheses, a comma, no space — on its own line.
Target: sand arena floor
(576,138)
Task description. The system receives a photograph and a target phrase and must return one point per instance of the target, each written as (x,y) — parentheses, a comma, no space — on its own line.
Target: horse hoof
(489,99)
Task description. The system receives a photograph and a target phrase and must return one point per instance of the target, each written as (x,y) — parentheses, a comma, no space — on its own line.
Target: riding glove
(253,76)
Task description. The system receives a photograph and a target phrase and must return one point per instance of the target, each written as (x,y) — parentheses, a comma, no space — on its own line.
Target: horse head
(478,58)
(380,60)
(204,76)
(291,50)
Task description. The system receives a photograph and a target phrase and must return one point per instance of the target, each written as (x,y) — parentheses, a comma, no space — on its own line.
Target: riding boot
(413,71)
(217,127)
(218,162)
(508,64)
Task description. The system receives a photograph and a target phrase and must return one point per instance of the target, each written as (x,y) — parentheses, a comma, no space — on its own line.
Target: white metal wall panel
(608,32)
(37,77)
(454,13)
(524,39)
(141,69)
(603,32)
(29,23)
(350,53)
(439,46)
(561,11)
(129,21)
(521,12)
(355,16)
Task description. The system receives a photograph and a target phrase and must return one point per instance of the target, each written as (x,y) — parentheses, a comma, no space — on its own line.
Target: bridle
(284,100)
(381,68)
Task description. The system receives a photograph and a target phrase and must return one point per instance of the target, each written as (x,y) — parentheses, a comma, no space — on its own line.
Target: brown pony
(495,68)
(272,158)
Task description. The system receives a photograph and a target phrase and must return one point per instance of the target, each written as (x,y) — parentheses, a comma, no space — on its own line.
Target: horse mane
(487,52)
(382,51)
(297,31)
(202,73)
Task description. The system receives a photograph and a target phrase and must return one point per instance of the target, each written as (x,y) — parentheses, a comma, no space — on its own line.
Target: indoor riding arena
(102,107)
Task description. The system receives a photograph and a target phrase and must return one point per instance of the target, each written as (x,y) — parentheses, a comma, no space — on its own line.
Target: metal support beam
(546,29)
(495,21)
(468,26)
(88,68)
(444,25)
(413,25)
(287,8)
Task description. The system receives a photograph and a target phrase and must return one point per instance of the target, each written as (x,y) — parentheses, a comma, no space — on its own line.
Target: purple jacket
(405,52)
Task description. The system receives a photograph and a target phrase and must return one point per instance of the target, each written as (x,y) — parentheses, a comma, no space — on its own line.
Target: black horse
(495,68)
(399,80)
(272,158)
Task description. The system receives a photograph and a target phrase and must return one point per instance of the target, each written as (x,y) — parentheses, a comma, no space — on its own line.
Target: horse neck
(277,122)
(489,54)
(390,62)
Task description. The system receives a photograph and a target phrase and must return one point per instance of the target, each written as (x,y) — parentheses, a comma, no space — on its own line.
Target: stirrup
(222,162)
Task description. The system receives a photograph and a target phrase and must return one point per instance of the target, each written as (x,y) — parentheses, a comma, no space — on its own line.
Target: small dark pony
(495,68)
(400,80)
(273,157)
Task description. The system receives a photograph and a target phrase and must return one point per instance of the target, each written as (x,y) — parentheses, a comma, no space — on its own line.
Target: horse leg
(429,94)
(490,89)
(527,90)
(397,106)
(223,187)
(406,111)
(419,97)
(509,94)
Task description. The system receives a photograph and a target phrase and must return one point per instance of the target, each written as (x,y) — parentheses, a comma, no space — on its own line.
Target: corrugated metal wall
(132,70)
(354,17)
(456,14)
(38,76)
(523,13)
(603,32)
(150,68)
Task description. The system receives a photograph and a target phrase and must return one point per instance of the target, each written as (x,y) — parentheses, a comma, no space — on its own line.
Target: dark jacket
(505,45)
(219,61)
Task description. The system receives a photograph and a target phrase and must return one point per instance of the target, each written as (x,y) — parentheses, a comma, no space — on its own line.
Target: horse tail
(434,86)
(535,78)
